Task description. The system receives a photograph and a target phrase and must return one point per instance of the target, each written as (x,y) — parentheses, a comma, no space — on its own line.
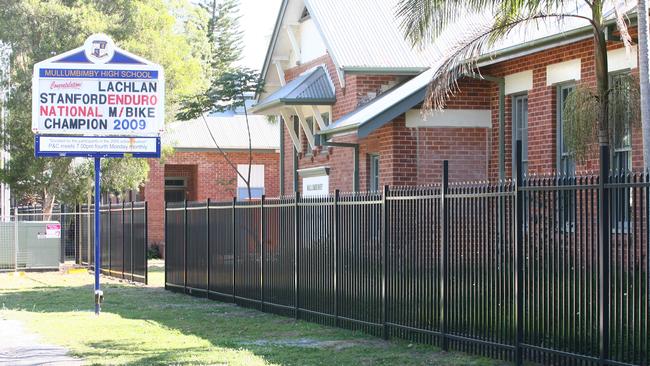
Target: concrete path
(20,347)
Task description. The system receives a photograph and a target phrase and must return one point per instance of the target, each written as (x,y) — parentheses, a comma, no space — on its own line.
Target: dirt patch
(319,343)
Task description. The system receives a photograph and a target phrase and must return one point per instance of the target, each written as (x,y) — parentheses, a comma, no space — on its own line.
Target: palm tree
(424,20)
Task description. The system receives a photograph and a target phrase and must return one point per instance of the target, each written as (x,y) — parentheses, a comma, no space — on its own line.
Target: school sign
(97,101)
(98,90)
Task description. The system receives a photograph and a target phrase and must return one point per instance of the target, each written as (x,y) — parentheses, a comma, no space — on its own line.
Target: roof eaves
(307,101)
(366,127)
(384,70)
(389,114)
(551,41)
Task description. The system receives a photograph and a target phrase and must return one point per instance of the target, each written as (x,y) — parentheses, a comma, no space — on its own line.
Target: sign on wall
(315,186)
(98,90)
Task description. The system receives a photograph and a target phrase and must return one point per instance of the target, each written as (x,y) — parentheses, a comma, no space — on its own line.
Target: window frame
(513,116)
(621,205)
(374,176)
(182,188)
(560,154)
(565,164)
(242,191)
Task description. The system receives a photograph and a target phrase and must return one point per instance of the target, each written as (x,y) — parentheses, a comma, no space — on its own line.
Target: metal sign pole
(98,258)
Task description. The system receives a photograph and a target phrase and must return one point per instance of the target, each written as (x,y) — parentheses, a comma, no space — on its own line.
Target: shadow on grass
(275,339)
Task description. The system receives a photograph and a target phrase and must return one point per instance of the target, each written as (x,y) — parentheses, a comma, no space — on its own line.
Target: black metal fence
(123,240)
(517,272)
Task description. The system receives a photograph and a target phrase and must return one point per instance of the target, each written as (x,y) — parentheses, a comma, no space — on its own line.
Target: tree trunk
(602,78)
(48,205)
(642,10)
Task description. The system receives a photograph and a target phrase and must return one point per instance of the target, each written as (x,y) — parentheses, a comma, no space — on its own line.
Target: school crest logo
(99,48)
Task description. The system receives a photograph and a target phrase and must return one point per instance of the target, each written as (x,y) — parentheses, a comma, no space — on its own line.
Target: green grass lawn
(146,325)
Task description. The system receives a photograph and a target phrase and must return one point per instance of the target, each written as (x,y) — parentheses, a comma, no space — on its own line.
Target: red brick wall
(408,156)
(210,177)
(542,109)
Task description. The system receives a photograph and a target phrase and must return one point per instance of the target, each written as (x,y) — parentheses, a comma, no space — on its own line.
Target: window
(175,189)
(373,183)
(566,164)
(620,118)
(256,182)
(565,161)
(313,123)
(520,130)
(622,147)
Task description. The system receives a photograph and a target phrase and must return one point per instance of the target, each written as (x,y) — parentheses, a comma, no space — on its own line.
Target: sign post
(97,101)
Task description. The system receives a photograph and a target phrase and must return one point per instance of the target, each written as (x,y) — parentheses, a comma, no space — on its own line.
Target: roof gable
(313,87)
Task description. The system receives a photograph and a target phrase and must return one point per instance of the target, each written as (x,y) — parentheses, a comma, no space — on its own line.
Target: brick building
(349,89)
(197,170)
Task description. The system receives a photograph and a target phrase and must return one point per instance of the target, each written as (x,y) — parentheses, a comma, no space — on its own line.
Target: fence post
(207,248)
(234,247)
(77,230)
(63,234)
(123,234)
(384,274)
(16,239)
(166,242)
(145,242)
(519,258)
(444,256)
(262,252)
(185,246)
(145,245)
(603,254)
(108,229)
(337,194)
(295,256)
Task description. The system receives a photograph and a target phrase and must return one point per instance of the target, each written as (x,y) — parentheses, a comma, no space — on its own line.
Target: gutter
(541,44)
(385,70)
(355,173)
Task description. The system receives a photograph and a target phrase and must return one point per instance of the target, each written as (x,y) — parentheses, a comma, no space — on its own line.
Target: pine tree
(224,34)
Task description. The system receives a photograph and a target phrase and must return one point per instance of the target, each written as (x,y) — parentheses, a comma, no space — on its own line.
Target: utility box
(38,243)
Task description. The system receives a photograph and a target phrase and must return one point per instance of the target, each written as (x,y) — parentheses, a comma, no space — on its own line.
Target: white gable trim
(563,71)
(330,51)
(286,117)
(519,82)
(305,127)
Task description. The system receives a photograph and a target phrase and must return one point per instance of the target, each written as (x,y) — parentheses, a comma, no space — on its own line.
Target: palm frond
(423,20)
(462,56)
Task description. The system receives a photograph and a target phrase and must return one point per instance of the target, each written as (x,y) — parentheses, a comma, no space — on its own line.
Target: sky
(257,21)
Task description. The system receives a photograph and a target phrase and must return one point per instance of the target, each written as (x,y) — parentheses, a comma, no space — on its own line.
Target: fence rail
(511,271)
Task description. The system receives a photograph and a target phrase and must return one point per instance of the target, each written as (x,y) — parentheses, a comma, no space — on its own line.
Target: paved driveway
(20,347)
